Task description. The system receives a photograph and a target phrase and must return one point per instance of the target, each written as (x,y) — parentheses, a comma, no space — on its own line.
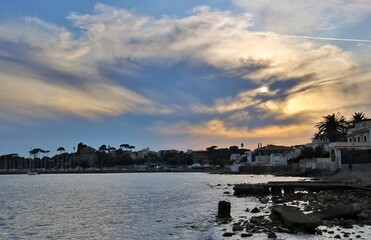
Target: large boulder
(224,209)
(294,219)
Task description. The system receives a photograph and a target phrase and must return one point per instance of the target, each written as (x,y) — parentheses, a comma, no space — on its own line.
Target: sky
(171,74)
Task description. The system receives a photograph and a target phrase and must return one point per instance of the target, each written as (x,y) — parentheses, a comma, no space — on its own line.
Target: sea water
(122,206)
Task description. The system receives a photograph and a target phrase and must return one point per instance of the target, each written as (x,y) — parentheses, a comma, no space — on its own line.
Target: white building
(319,142)
(358,139)
(361,132)
(241,160)
(140,155)
(272,155)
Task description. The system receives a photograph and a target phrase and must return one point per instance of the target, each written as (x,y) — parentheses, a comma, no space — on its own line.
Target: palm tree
(103,148)
(34,152)
(318,136)
(357,117)
(60,150)
(125,145)
(212,148)
(333,127)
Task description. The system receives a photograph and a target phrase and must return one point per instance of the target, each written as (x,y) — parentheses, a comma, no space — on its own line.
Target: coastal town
(339,155)
(348,143)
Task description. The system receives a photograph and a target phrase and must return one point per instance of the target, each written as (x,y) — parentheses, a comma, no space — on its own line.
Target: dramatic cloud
(41,75)
(118,62)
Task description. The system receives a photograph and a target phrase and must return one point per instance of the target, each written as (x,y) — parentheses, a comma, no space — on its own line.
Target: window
(359,139)
(350,139)
(365,138)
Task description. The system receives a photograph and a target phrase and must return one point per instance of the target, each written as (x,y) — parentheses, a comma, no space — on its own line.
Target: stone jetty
(279,188)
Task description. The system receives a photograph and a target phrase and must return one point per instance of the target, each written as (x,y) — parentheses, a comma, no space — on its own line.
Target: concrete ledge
(346,211)
(294,219)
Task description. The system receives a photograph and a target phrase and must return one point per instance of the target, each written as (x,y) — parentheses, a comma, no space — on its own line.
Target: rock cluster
(311,204)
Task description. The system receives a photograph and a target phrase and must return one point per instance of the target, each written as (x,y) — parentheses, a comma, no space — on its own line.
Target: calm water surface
(119,206)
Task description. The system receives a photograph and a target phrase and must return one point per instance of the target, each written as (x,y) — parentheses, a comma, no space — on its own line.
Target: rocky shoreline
(337,213)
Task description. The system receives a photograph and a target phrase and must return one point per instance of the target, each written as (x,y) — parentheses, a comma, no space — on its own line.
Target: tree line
(107,157)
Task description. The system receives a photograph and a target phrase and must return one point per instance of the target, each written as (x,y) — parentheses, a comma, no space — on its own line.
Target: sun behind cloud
(264,89)
(209,74)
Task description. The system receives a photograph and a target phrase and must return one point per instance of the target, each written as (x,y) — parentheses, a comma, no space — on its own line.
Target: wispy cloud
(300,16)
(46,70)
(214,129)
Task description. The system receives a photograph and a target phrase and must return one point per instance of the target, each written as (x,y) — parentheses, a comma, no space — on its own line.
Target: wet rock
(272,235)
(245,235)
(295,220)
(277,200)
(224,209)
(226,192)
(264,200)
(249,226)
(237,228)
(228,234)
(337,236)
(255,210)
(247,210)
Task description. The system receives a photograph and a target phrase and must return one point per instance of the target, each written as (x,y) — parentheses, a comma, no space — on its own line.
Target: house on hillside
(319,142)
(272,155)
(142,154)
(87,156)
(240,160)
(358,145)
(200,157)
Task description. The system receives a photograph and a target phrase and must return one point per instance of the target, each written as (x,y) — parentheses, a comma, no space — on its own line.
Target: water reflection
(118,206)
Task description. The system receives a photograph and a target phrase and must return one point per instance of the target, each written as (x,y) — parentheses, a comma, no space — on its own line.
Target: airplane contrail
(318,38)
(330,39)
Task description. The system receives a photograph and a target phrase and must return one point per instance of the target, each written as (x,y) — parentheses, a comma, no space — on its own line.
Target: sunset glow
(183,76)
